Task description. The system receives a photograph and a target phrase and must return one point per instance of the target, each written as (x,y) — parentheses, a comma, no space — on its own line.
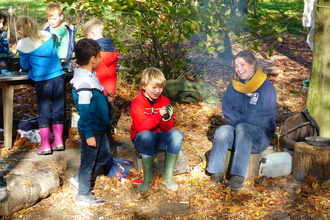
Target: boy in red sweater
(106,71)
(152,128)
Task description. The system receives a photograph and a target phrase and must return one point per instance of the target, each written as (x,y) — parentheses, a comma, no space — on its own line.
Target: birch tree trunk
(318,101)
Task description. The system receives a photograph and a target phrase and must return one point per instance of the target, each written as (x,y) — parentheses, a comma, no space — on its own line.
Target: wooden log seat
(253,165)
(311,161)
(181,165)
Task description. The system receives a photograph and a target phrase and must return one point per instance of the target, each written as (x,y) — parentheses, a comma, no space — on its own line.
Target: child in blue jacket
(38,55)
(4,47)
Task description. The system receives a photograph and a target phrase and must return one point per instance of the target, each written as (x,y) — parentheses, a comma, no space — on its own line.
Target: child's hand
(91,141)
(169,113)
(3,65)
(162,111)
(111,97)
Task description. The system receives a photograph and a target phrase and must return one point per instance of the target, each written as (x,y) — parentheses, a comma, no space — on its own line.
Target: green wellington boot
(170,160)
(148,167)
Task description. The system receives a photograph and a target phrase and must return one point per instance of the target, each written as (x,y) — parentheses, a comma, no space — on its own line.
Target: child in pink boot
(38,55)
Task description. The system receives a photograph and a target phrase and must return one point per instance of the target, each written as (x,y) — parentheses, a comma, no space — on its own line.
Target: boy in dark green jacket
(93,111)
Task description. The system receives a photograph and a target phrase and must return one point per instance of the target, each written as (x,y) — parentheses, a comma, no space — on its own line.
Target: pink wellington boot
(58,140)
(45,145)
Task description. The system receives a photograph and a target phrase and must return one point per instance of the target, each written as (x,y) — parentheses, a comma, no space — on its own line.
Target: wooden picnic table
(8,83)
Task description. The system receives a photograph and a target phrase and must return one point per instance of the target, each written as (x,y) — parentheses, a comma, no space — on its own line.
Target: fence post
(10,21)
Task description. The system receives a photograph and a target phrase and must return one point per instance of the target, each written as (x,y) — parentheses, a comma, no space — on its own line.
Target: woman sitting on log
(249,107)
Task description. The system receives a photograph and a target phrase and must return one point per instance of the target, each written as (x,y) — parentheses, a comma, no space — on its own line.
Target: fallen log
(25,191)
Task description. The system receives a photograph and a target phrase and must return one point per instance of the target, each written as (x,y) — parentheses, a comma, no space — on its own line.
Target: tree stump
(311,161)
(252,169)
(25,191)
(181,165)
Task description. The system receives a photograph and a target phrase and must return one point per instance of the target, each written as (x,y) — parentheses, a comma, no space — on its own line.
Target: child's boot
(170,160)
(58,139)
(148,167)
(44,139)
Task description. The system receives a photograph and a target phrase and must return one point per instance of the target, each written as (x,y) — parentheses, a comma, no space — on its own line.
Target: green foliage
(34,8)
(160,32)
(158,29)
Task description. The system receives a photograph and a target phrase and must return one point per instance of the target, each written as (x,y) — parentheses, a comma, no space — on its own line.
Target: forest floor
(197,197)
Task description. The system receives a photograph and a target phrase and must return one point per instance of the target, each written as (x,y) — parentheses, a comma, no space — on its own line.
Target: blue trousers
(51,92)
(243,140)
(91,159)
(146,142)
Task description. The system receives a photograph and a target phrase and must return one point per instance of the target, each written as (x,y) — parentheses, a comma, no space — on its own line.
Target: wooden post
(10,21)
(311,161)
(25,9)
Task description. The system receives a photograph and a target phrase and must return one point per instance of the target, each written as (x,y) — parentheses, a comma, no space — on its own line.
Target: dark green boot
(170,160)
(148,167)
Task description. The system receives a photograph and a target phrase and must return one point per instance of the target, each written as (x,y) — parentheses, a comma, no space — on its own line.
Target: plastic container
(274,164)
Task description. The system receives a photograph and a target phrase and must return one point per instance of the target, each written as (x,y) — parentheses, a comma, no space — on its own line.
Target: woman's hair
(85,49)
(29,29)
(4,16)
(152,76)
(248,56)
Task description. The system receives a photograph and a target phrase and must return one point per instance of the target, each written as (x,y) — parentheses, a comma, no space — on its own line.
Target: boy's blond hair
(152,76)
(30,28)
(54,8)
(94,25)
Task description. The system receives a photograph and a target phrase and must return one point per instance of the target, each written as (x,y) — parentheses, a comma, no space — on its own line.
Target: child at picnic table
(63,33)
(38,55)
(152,127)
(4,47)
(92,107)
(106,71)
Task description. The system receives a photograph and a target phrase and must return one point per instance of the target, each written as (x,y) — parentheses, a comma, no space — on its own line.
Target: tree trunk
(318,101)
(222,44)
(25,191)
(312,161)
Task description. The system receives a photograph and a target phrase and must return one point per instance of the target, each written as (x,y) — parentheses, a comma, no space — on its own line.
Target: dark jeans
(91,159)
(147,142)
(51,92)
(243,140)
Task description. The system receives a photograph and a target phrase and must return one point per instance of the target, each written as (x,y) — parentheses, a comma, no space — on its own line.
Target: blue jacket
(258,108)
(91,103)
(40,59)
(4,47)
(72,35)
(106,44)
